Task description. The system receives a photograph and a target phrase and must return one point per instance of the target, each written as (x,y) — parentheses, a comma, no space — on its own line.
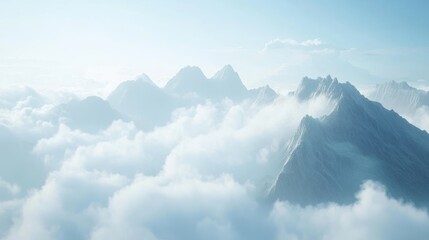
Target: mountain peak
(405,85)
(399,96)
(190,71)
(396,85)
(188,80)
(328,158)
(264,94)
(327,86)
(227,83)
(226,73)
(93,100)
(145,79)
(228,67)
(91,114)
(308,125)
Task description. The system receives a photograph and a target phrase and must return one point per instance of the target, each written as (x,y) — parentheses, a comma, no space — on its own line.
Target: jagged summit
(329,158)
(148,105)
(227,83)
(145,79)
(328,86)
(190,72)
(263,94)
(137,91)
(396,85)
(400,97)
(188,80)
(227,72)
(308,125)
(141,82)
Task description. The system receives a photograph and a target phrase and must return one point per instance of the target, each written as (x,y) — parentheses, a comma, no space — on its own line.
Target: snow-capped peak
(400,97)
(329,158)
(226,73)
(328,86)
(396,85)
(145,78)
(188,80)
(190,73)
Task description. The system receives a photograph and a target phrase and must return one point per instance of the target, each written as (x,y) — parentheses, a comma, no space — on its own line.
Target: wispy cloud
(9,187)
(279,43)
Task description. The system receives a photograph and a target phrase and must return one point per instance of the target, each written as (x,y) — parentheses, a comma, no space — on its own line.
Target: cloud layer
(372,216)
(201,176)
(279,43)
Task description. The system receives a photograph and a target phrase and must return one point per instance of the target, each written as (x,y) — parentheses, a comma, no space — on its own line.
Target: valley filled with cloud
(205,173)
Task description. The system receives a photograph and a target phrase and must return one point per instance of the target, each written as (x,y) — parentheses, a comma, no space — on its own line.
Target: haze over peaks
(191,82)
(91,114)
(142,101)
(188,80)
(399,96)
(149,105)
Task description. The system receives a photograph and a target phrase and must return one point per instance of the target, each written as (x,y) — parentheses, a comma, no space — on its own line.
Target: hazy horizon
(91,44)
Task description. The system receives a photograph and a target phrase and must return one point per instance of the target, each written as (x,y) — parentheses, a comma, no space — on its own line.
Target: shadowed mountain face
(400,97)
(143,101)
(91,114)
(263,95)
(328,159)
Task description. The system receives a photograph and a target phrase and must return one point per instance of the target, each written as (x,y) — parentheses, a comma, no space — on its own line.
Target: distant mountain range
(400,97)
(148,105)
(144,102)
(191,82)
(326,160)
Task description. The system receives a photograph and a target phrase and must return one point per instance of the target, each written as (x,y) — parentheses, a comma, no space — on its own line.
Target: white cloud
(99,206)
(372,216)
(419,118)
(64,207)
(24,96)
(234,144)
(10,188)
(9,210)
(279,43)
(162,208)
(222,142)
(201,176)
(230,138)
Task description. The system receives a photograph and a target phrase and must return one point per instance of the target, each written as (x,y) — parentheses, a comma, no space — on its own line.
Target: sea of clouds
(203,175)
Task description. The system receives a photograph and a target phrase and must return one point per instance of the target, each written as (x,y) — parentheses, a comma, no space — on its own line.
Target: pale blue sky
(94,43)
